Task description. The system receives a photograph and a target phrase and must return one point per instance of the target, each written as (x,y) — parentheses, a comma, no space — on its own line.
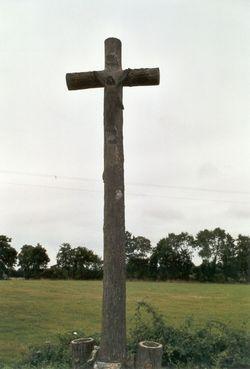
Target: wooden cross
(113,78)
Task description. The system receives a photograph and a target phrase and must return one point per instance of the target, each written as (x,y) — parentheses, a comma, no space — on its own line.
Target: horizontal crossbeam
(128,77)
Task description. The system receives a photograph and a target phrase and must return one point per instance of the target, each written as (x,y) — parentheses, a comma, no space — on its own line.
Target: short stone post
(149,355)
(81,349)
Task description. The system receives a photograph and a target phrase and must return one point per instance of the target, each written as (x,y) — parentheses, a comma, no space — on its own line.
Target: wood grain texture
(128,77)
(81,350)
(142,77)
(149,355)
(113,78)
(113,338)
(83,80)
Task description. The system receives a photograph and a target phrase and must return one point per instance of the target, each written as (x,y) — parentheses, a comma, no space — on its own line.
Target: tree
(33,260)
(25,260)
(137,250)
(87,265)
(217,249)
(129,245)
(243,257)
(79,262)
(65,259)
(210,244)
(53,272)
(136,246)
(172,257)
(8,257)
(228,259)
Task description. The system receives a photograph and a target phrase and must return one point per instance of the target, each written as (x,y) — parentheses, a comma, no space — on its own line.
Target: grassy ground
(34,311)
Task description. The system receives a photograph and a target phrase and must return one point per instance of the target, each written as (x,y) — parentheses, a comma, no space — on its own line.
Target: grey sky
(191,131)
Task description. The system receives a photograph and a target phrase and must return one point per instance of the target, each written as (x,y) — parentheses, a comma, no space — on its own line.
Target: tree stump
(149,355)
(81,349)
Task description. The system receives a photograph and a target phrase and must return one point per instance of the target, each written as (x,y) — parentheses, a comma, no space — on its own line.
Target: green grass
(32,312)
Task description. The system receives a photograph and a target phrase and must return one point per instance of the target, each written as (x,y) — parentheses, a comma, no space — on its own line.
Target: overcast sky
(186,142)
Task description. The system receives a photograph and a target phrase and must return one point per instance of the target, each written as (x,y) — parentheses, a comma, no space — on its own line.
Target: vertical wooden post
(113,339)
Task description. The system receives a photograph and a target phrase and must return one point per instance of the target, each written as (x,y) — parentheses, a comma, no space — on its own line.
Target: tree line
(223,259)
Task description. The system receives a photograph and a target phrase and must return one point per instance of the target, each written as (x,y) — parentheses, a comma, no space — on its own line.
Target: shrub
(212,345)
(51,355)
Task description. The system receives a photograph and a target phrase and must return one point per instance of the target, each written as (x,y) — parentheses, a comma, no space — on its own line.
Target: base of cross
(85,356)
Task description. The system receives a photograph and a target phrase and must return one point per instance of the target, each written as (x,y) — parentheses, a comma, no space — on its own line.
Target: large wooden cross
(113,78)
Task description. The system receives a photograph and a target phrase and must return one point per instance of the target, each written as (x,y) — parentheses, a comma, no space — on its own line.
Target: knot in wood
(118,195)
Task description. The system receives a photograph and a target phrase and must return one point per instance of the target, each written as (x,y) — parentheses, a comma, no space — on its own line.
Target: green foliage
(65,259)
(87,265)
(214,345)
(136,247)
(8,256)
(56,354)
(171,259)
(53,272)
(78,263)
(224,259)
(52,355)
(33,260)
(137,250)
(218,251)
(243,257)
(32,311)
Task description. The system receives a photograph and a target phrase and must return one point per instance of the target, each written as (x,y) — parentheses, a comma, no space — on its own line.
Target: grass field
(34,311)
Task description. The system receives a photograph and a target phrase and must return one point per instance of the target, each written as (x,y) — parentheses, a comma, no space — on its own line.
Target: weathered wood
(81,350)
(113,78)
(149,355)
(132,77)
(142,77)
(113,338)
(81,81)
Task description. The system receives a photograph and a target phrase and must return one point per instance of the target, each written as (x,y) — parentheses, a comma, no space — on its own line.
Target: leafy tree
(129,245)
(79,262)
(33,260)
(87,264)
(65,259)
(211,243)
(243,257)
(25,260)
(205,272)
(137,250)
(217,249)
(8,257)
(172,257)
(136,246)
(138,268)
(228,259)
(40,259)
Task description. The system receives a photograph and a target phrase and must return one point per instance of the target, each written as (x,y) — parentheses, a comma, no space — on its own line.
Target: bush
(53,272)
(51,355)
(213,345)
